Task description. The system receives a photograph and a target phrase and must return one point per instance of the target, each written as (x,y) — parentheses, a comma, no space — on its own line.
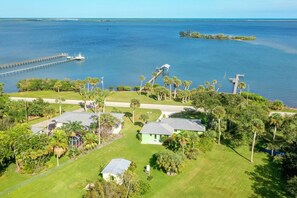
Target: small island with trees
(189,34)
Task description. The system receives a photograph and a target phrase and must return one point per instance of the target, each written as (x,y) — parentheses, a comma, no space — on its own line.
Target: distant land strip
(197,35)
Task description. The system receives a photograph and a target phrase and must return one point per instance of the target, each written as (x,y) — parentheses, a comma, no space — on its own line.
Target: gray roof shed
(117,166)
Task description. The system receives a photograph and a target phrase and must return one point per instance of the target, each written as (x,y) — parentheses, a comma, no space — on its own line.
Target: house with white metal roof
(115,170)
(86,119)
(153,132)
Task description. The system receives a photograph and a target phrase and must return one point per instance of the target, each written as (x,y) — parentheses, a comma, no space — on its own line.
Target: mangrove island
(198,35)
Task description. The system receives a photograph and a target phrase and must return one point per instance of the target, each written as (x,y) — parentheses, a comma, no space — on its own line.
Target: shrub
(253,96)
(145,187)
(169,162)
(111,88)
(277,105)
(136,88)
(206,144)
(73,152)
(127,88)
(120,88)
(132,166)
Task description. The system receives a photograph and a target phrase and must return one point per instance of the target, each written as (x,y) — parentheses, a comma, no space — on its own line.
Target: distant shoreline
(152,19)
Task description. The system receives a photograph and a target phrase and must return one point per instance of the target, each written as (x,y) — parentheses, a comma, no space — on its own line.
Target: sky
(148,9)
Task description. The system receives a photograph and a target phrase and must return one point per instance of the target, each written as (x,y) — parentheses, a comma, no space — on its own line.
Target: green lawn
(65,107)
(222,172)
(114,97)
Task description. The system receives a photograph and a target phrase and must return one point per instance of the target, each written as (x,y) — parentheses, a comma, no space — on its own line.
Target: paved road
(163,108)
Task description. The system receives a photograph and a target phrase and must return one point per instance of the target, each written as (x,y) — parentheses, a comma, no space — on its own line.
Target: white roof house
(154,131)
(115,169)
(86,119)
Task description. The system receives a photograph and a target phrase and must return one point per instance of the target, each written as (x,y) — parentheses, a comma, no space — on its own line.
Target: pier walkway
(9,73)
(26,62)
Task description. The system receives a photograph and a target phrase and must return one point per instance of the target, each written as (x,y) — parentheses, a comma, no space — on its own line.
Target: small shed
(115,170)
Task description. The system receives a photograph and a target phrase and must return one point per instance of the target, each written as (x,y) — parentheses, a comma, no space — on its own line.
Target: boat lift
(162,70)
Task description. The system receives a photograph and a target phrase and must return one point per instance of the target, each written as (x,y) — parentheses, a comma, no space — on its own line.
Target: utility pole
(102,82)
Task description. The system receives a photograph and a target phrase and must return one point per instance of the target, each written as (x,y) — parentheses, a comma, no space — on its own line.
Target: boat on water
(79,57)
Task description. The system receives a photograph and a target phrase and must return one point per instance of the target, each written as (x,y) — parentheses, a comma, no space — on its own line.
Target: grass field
(65,107)
(114,97)
(223,172)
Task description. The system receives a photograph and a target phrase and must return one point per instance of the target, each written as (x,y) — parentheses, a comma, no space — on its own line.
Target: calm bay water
(121,51)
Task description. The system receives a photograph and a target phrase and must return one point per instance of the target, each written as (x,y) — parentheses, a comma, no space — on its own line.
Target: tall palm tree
(154,74)
(88,81)
(219,113)
(214,82)
(241,86)
(133,105)
(148,88)
(58,85)
(59,100)
(257,126)
(79,85)
(84,95)
(94,82)
(141,78)
(176,83)
(275,120)
(59,142)
(49,112)
(168,82)
(187,84)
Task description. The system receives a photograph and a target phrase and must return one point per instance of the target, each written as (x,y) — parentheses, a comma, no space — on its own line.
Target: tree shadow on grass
(267,180)
(233,149)
(139,124)
(128,115)
(190,114)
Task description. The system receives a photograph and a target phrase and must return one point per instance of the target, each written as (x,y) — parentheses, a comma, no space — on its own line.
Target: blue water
(122,50)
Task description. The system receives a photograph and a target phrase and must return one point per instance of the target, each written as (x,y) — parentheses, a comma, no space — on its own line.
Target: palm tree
(141,78)
(94,82)
(187,84)
(241,86)
(276,120)
(148,88)
(214,82)
(144,118)
(59,142)
(59,100)
(49,112)
(182,139)
(72,128)
(219,114)
(84,94)
(154,74)
(133,105)
(176,83)
(79,84)
(88,81)
(58,85)
(257,126)
(168,82)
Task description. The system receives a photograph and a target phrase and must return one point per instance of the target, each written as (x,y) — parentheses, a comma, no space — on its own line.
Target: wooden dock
(37,60)
(9,73)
